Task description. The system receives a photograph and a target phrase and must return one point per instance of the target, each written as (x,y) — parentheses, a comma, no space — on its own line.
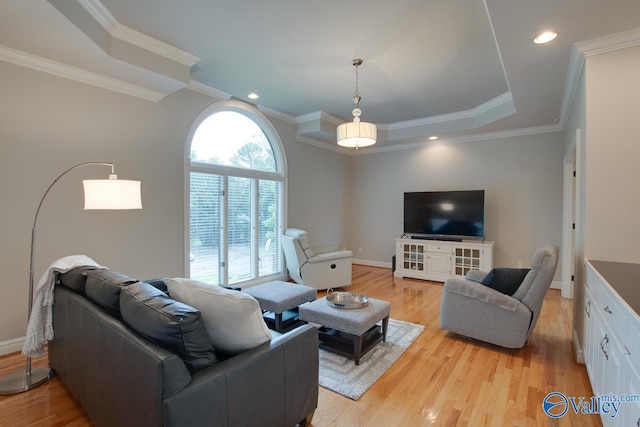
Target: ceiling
(452,68)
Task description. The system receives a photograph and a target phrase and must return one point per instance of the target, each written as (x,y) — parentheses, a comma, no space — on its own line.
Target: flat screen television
(454,215)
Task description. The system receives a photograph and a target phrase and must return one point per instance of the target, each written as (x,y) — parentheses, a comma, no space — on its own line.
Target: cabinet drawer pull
(603,343)
(587,308)
(608,310)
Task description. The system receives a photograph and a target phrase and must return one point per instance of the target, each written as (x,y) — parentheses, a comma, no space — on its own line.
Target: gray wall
(521,176)
(48,124)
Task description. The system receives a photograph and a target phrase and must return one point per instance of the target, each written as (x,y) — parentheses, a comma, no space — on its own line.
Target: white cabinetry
(439,260)
(612,347)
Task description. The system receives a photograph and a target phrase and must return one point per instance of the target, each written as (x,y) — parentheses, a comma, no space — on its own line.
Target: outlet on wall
(359,250)
(520,264)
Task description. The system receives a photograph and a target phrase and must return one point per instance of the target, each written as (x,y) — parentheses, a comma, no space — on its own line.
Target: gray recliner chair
(477,311)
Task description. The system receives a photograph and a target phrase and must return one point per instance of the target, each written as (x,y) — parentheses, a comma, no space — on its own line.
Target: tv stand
(441,239)
(439,259)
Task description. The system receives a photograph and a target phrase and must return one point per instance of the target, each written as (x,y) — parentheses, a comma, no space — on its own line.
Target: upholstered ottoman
(351,333)
(281,298)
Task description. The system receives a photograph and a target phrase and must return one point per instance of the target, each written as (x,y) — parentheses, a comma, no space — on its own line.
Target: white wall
(577,120)
(605,109)
(48,124)
(521,176)
(613,150)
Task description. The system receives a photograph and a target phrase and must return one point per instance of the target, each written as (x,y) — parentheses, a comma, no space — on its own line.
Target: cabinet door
(614,380)
(465,259)
(413,257)
(632,408)
(439,264)
(590,344)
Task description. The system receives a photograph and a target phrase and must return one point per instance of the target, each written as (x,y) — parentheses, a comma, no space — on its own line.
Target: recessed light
(253,95)
(545,37)
(433,138)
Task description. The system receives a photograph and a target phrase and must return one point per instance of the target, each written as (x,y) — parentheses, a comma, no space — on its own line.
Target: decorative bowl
(347,300)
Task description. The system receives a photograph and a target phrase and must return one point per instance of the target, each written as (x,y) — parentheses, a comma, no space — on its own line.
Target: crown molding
(609,43)
(106,20)
(579,52)
(207,90)
(571,81)
(221,96)
(497,102)
(422,142)
(319,116)
(48,66)
(277,114)
(320,144)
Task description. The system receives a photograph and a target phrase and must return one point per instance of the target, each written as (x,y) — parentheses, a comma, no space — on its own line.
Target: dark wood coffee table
(349,332)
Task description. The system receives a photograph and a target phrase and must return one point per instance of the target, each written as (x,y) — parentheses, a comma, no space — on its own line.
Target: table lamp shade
(111,194)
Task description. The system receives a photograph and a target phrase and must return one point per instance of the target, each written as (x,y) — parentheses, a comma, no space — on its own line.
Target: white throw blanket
(40,327)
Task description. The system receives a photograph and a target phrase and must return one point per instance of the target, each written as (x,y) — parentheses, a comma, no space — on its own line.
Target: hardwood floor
(441,380)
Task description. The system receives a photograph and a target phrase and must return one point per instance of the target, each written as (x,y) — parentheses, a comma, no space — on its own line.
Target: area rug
(341,375)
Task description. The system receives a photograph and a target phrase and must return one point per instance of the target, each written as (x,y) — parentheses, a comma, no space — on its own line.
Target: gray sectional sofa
(161,375)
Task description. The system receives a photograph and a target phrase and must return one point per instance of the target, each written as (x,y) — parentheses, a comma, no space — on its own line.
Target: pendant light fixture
(356,134)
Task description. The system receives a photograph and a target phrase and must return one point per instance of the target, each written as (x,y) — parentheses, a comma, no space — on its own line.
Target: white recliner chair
(321,267)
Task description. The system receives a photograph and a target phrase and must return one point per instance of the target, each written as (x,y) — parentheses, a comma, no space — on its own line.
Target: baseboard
(577,348)
(371,263)
(556,285)
(11,346)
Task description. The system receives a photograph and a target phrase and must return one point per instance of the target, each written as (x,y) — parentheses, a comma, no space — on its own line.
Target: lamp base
(21,381)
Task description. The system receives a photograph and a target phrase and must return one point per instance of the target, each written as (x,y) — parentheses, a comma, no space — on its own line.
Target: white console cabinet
(612,336)
(439,260)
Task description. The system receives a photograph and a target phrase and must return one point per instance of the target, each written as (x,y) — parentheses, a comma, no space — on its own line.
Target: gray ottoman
(351,333)
(280,297)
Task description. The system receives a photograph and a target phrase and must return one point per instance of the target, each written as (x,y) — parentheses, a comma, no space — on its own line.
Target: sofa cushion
(157,283)
(169,323)
(233,319)
(505,280)
(103,288)
(76,279)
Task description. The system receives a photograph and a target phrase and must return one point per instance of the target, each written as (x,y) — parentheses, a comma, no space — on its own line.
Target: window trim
(279,175)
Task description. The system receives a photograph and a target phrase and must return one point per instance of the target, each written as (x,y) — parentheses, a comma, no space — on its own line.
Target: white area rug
(341,375)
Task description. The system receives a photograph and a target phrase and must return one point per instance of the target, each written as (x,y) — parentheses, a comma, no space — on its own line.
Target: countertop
(624,278)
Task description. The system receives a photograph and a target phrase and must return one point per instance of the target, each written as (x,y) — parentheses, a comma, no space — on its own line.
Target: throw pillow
(169,323)
(103,288)
(233,319)
(505,280)
(76,278)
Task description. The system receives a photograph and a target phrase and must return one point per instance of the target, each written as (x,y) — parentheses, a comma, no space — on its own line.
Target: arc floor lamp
(110,194)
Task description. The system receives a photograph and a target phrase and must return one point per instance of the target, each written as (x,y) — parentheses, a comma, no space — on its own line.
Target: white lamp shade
(111,194)
(357,134)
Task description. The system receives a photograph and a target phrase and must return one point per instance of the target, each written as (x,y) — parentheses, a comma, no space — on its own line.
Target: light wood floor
(441,380)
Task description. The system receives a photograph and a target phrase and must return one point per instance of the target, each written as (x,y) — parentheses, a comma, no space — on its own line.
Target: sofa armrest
(323,249)
(476,275)
(481,292)
(330,256)
(273,384)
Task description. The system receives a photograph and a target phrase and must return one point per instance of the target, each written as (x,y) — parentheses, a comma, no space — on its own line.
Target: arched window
(236,179)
